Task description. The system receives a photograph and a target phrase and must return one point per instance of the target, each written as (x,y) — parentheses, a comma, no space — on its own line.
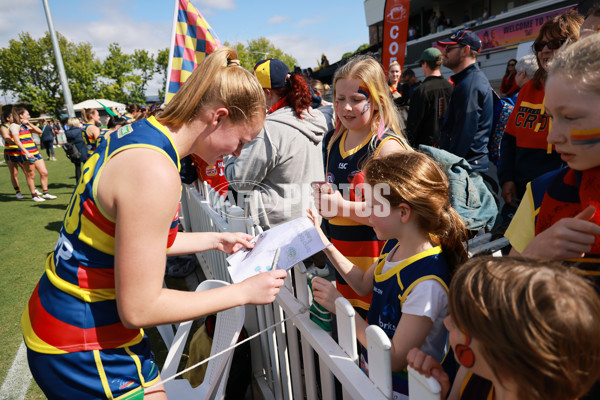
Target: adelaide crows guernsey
(10,149)
(88,138)
(73,308)
(27,141)
(357,242)
(564,193)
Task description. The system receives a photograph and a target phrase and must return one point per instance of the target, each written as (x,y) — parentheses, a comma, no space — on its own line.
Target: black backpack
(72,152)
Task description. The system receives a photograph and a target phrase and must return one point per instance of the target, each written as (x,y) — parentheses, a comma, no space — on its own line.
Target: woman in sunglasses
(509,85)
(525,151)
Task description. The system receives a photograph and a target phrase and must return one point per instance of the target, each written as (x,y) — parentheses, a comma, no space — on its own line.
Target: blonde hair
(395,63)
(17,111)
(319,86)
(217,80)
(72,121)
(536,320)
(87,113)
(580,63)
(417,180)
(370,73)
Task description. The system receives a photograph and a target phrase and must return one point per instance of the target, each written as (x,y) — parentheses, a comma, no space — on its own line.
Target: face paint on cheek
(585,136)
(364,91)
(366,108)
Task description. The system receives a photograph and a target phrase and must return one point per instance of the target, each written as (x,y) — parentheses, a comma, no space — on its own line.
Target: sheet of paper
(297,240)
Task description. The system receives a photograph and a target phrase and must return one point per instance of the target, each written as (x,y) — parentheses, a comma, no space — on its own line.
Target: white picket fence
(286,358)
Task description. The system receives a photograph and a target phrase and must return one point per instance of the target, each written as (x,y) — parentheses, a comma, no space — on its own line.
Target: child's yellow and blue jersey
(73,308)
(27,141)
(88,138)
(390,290)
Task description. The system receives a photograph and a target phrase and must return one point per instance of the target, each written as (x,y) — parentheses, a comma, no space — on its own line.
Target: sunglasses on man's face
(553,44)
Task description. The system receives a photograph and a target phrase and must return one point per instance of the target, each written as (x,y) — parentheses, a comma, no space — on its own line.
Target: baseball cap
(464,38)
(430,54)
(271,73)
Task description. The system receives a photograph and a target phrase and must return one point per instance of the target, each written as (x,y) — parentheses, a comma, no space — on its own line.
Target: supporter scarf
(570,193)
(283,102)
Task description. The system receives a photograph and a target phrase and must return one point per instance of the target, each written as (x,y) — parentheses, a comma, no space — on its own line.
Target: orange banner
(395,29)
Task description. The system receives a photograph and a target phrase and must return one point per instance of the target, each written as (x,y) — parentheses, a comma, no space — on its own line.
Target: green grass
(28,234)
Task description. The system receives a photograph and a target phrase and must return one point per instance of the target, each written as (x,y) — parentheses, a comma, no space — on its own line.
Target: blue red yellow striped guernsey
(73,307)
(10,149)
(564,193)
(27,141)
(355,241)
(88,138)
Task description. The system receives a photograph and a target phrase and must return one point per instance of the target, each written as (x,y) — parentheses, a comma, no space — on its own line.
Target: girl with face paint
(560,218)
(367,125)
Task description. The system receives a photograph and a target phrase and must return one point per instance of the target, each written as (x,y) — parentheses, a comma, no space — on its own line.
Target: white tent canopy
(93,103)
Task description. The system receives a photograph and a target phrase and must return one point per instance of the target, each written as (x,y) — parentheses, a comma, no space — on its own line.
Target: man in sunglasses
(468,122)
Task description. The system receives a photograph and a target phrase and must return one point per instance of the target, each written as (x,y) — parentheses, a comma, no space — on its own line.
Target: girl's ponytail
(298,94)
(416,179)
(452,233)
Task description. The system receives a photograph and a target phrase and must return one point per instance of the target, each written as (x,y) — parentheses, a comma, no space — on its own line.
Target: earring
(464,354)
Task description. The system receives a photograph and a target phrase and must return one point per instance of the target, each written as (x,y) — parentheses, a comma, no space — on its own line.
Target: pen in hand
(275,259)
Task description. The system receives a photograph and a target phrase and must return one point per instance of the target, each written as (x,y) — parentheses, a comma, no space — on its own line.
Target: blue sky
(303,29)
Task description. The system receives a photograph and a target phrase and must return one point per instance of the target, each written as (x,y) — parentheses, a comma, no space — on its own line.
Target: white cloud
(310,21)
(278,19)
(218,4)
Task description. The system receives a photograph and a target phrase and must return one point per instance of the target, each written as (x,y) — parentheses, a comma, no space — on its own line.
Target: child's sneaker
(37,199)
(19,195)
(48,196)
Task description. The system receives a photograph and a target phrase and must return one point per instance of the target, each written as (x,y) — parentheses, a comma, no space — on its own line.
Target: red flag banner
(395,30)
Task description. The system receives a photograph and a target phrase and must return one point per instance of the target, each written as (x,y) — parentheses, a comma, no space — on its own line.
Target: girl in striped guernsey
(31,159)
(366,125)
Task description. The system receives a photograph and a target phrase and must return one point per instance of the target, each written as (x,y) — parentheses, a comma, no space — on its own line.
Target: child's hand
(231,242)
(264,287)
(312,215)
(568,238)
(428,366)
(325,293)
(329,203)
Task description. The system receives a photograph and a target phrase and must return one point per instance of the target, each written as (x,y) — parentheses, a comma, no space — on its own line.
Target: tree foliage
(260,49)
(28,70)
(161,65)
(358,50)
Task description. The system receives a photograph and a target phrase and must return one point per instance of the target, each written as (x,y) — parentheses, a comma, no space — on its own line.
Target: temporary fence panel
(283,358)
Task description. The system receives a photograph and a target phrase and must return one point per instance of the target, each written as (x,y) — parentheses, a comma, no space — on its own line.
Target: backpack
(469,195)
(502,109)
(72,152)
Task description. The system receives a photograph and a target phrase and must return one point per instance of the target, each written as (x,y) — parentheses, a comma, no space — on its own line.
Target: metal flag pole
(59,62)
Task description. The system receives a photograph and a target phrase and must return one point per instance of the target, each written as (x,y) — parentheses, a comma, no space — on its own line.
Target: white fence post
(283,358)
(380,361)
